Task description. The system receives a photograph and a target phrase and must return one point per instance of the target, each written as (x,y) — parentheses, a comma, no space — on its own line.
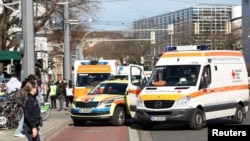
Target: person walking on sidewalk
(61,93)
(69,94)
(52,94)
(32,116)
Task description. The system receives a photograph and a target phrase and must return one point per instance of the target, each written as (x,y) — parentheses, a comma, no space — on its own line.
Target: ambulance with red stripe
(88,73)
(192,87)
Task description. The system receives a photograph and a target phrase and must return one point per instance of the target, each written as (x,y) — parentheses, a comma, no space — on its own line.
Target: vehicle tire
(78,122)
(145,126)
(239,115)
(197,120)
(118,118)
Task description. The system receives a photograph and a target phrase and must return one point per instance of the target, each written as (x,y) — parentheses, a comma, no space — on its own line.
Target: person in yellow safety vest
(52,94)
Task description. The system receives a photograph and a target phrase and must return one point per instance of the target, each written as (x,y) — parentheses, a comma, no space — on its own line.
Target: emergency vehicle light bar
(186,48)
(101,62)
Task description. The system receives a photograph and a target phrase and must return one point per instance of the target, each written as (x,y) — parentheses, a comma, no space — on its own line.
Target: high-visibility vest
(52,90)
(2,93)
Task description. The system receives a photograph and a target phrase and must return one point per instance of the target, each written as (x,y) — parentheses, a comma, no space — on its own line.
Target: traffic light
(7,69)
(39,63)
(12,69)
(50,64)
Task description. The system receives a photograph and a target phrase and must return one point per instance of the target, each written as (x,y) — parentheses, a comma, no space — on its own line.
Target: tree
(44,10)
(130,51)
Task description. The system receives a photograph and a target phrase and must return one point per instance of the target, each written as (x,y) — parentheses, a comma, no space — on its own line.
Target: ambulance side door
(136,81)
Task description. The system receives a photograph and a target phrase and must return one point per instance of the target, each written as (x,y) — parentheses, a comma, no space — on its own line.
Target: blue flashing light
(102,62)
(85,63)
(204,47)
(170,48)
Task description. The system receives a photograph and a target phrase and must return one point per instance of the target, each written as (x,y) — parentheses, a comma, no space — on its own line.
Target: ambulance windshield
(181,75)
(90,79)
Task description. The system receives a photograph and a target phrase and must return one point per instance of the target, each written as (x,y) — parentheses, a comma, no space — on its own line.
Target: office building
(211,25)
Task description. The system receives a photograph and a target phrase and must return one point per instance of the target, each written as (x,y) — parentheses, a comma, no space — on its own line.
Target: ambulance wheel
(118,118)
(197,120)
(239,114)
(78,122)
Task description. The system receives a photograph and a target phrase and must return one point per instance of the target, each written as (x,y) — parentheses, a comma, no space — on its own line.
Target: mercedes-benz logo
(158,104)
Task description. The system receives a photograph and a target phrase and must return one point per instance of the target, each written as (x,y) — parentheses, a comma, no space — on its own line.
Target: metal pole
(171,39)
(67,67)
(28,63)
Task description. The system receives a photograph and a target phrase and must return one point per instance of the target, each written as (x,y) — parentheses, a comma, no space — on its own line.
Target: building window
(245,2)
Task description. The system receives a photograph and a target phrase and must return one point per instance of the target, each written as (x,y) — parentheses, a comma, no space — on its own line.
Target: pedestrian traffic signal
(7,69)
(12,69)
(50,64)
(39,63)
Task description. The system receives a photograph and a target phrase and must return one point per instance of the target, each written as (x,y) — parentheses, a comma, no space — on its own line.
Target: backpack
(19,97)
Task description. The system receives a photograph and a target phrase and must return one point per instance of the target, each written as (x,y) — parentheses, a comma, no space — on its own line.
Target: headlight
(140,103)
(73,105)
(183,101)
(106,102)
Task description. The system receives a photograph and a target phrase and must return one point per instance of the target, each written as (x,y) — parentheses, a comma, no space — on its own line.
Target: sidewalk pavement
(56,121)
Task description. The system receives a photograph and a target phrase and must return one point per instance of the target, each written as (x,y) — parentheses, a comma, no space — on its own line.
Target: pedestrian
(3,88)
(32,116)
(61,93)
(52,94)
(40,97)
(19,129)
(69,94)
(13,84)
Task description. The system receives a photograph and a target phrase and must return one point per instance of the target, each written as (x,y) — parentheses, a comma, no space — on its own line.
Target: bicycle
(10,111)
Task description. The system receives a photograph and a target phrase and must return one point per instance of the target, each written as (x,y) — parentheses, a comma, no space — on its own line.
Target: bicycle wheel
(15,120)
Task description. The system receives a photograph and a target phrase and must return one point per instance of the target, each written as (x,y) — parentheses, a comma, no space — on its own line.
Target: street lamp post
(67,67)
(67,53)
(28,37)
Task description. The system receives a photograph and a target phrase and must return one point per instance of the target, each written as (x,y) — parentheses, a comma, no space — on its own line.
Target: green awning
(8,55)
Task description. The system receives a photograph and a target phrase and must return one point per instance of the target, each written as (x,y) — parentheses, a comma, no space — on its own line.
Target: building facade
(246,29)
(210,25)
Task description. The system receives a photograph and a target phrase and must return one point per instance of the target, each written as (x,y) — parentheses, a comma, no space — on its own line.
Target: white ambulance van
(192,87)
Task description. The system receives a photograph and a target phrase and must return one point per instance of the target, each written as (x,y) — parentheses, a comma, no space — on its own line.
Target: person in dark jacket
(19,129)
(61,93)
(32,110)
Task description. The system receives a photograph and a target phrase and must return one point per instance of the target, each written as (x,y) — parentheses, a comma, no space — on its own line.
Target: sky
(120,14)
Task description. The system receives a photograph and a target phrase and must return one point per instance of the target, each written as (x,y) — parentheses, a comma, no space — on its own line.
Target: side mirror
(142,83)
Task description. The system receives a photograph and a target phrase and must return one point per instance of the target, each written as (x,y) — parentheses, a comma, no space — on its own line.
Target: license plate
(157,118)
(85,110)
